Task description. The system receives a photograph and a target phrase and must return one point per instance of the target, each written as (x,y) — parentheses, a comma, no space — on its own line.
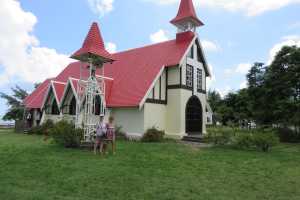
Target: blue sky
(37,37)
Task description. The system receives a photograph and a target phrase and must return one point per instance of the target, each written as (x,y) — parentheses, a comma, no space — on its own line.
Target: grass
(32,169)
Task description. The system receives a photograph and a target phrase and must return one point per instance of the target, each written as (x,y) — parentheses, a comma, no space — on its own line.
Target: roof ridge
(146,46)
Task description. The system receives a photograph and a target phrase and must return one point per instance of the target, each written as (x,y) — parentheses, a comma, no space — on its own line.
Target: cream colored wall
(174,113)
(173,76)
(156,86)
(54,118)
(154,115)
(131,119)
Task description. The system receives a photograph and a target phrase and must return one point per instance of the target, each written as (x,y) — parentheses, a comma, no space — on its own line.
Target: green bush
(153,135)
(220,135)
(65,134)
(261,139)
(265,140)
(36,130)
(42,129)
(244,141)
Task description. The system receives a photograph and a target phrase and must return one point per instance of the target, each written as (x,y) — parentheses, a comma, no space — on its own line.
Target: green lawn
(32,169)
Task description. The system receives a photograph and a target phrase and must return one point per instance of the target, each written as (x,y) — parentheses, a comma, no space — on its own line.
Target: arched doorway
(193,116)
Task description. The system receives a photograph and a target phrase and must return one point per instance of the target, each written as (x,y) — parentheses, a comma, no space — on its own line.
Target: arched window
(54,108)
(98,105)
(72,107)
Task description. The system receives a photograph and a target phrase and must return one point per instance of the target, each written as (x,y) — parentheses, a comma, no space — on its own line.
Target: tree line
(272,96)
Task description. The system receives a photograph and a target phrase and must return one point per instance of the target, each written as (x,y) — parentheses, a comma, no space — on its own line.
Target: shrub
(42,129)
(65,134)
(262,139)
(153,135)
(220,136)
(244,141)
(47,126)
(36,130)
(265,140)
(288,135)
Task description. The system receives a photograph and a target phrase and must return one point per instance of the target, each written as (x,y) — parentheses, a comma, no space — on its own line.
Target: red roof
(59,88)
(186,11)
(133,72)
(93,44)
(36,98)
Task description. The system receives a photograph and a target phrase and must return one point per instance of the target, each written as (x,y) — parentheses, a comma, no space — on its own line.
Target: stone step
(193,138)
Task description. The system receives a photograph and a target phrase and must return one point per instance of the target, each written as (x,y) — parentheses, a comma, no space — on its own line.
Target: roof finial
(186,19)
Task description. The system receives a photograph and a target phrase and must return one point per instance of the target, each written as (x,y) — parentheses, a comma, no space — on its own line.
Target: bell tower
(94,55)
(186,19)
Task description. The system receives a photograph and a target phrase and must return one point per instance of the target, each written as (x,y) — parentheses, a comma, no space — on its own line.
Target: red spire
(186,11)
(93,45)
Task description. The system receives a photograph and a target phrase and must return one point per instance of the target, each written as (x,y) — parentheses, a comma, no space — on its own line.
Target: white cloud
(210,81)
(158,36)
(249,7)
(286,41)
(223,92)
(243,85)
(111,47)
(243,68)
(21,57)
(101,7)
(210,46)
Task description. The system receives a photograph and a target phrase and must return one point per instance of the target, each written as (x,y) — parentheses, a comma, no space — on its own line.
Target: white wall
(154,115)
(131,119)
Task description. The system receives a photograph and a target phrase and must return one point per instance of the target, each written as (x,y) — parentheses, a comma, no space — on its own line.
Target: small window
(199,79)
(189,76)
(191,52)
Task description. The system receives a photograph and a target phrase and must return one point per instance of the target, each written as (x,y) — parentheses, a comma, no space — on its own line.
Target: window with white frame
(199,79)
(189,76)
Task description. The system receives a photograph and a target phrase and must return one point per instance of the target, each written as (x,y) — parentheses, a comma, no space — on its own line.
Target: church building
(161,85)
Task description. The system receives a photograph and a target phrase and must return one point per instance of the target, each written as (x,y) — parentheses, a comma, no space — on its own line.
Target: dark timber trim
(201,91)
(180,82)
(160,87)
(179,87)
(167,79)
(153,92)
(193,84)
(156,101)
